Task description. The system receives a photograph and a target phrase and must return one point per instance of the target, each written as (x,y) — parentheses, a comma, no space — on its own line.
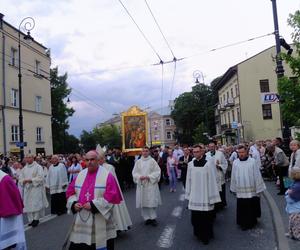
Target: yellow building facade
(241,115)
(36,95)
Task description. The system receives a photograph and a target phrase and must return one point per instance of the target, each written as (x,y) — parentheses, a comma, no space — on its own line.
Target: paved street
(173,232)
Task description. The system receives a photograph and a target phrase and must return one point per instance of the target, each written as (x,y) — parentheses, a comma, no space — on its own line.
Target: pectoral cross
(87,196)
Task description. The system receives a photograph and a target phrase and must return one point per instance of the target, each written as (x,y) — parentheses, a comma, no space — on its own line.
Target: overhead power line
(140,30)
(161,32)
(156,64)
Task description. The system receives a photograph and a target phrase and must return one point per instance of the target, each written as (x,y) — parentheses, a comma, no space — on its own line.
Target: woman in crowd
(292,197)
(172,170)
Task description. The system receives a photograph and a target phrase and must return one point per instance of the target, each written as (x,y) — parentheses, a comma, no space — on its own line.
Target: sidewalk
(280,202)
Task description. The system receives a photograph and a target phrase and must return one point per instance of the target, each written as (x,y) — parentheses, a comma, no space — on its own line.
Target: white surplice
(57,179)
(120,212)
(201,188)
(147,192)
(246,179)
(34,195)
(223,164)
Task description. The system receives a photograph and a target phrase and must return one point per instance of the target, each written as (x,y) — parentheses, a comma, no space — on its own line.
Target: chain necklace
(84,219)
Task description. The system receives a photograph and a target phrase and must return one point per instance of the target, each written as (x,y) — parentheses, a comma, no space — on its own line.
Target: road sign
(19,144)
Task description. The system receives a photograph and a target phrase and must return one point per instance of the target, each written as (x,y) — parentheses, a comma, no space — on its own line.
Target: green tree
(60,112)
(289,88)
(193,108)
(200,134)
(88,140)
(71,144)
(108,135)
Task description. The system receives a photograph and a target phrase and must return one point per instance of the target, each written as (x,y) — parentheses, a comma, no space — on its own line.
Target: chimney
(1,20)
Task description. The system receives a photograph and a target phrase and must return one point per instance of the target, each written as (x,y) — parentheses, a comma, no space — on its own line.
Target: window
(14,98)
(38,134)
(224,99)
(38,104)
(238,114)
(225,120)
(267,111)
(37,67)
(14,133)
(13,57)
(227,95)
(169,135)
(168,122)
(264,86)
(236,90)
(233,116)
(228,114)
(231,92)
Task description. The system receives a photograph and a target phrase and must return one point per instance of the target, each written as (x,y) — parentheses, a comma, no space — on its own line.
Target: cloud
(98,36)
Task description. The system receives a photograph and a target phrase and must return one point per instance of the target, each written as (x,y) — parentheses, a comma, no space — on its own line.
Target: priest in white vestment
(202,193)
(57,182)
(91,197)
(146,174)
(34,194)
(11,215)
(221,165)
(120,212)
(248,184)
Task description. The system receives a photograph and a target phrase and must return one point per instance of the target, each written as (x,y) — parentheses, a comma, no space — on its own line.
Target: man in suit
(183,163)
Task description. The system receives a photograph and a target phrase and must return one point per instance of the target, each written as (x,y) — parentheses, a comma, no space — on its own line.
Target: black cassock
(202,221)
(247,212)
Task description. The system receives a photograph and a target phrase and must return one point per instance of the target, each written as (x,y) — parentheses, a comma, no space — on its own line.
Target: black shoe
(205,242)
(148,222)
(35,223)
(30,224)
(154,223)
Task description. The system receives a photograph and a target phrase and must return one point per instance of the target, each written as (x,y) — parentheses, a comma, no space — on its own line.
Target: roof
(233,70)
(165,111)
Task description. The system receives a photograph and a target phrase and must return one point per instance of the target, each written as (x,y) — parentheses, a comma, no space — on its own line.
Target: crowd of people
(91,187)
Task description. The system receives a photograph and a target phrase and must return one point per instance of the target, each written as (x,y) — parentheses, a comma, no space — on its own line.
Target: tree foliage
(193,108)
(71,144)
(87,140)
(108,135)
(289,88)
(200,134)
(60,112)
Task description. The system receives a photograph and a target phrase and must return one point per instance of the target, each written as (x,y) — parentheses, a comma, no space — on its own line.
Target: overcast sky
(99,46)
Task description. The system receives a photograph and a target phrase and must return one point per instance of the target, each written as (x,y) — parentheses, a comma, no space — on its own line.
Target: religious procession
(88,187)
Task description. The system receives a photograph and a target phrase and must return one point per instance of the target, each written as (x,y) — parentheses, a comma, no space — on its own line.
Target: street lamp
(197,74)
(28,24)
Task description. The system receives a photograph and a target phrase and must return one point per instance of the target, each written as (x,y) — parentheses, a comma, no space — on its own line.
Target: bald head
(92,160)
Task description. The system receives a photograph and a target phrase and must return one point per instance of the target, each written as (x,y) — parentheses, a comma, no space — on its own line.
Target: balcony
(229,103)
(221,107)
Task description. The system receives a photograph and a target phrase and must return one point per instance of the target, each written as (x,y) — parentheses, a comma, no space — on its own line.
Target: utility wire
(173,80)
(161,32)
(88,98)
(140,30)
(228,45)
(162,88)
(155,64)
(86,101)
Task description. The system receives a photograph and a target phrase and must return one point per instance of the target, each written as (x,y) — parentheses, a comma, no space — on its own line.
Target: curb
(282,242)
